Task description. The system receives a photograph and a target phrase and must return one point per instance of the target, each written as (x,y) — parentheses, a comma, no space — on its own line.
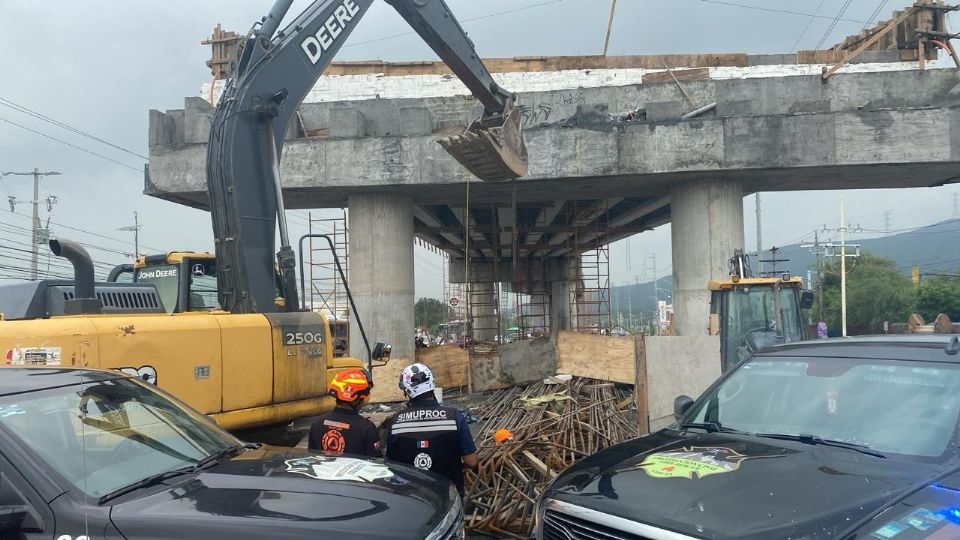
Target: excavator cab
(185,280)
(753,313)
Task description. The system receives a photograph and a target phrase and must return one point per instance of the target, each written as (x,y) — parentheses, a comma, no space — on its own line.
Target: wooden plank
(819,57)
(598,357)
(544,63)
(696,74)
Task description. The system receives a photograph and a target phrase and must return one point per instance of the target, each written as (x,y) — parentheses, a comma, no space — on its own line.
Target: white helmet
(416,379)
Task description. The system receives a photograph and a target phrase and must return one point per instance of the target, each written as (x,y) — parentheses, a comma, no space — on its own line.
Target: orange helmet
(350,385)
(502,435)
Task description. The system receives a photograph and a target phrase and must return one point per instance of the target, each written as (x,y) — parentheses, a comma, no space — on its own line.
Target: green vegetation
(877,291)
(429,313)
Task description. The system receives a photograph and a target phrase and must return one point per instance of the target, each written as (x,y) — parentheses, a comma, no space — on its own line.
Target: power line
(71,145)
(873,16)
(471,19)
(26,110)
(783,11)
(833,25)
(807,27)
(91,233)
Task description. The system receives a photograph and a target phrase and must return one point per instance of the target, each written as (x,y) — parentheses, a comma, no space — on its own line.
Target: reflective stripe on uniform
(420,427)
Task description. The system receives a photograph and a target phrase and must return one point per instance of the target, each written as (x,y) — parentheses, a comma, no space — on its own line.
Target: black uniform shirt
(344,431)
(430,436)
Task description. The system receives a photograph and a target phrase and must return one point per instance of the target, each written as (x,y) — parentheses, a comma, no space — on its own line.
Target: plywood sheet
(544,63)
(599,357)
(697,74)
(448,363)
(385,389)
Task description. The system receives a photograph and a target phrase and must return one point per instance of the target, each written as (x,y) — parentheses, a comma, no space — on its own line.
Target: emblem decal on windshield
(693,462)
(338,468)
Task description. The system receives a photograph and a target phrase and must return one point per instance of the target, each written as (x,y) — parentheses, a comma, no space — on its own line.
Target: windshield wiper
(217,456)
(709,427)
(814,440)
(155,479)
(151,480)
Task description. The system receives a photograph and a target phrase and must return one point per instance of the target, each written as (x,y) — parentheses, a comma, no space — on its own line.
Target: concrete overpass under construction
(613,152)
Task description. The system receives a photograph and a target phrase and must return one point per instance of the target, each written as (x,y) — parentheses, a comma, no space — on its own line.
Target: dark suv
(834,439)
(90,455)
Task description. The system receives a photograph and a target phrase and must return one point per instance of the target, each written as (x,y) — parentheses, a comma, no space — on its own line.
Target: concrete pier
(381,271)
(707,217)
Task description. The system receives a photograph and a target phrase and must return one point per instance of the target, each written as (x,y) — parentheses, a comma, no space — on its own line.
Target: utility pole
(759,241)
(136,234)
(34,250)
(843,273)
(773,260)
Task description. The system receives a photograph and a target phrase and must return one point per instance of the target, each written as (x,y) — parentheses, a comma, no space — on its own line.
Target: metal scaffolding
(590,306)
(327,290)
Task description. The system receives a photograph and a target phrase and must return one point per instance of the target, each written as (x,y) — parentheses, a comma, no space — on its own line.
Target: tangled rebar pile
(552,427)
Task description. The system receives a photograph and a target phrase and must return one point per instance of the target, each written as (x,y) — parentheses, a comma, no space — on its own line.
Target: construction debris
(550,427)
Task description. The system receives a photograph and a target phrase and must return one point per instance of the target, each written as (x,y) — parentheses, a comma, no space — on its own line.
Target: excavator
(750,312)
(227,333)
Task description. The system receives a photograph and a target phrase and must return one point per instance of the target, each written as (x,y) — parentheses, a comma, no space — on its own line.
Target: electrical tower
(887,214)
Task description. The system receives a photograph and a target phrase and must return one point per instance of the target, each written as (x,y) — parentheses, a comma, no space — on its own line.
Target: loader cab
(750,314)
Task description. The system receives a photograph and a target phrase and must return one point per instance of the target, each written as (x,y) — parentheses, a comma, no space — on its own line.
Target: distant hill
(934,248)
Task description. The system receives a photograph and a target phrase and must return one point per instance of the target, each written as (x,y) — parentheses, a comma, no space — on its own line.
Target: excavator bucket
(491,153)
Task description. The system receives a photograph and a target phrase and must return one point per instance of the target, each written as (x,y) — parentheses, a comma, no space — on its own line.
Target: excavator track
(491,153)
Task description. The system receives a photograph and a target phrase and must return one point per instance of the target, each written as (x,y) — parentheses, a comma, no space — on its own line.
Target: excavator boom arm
(275,72)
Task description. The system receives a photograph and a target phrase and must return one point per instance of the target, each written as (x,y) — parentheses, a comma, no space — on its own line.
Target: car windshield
(109,434)
(898,407)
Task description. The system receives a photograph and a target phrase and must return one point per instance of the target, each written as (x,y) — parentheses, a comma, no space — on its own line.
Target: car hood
(734,486)
(290,493)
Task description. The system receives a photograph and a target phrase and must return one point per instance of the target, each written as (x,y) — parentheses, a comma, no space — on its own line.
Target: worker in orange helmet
(343,430)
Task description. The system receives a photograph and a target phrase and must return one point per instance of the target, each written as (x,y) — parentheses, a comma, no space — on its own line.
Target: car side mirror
(12,517)
(681,404)
(806,299)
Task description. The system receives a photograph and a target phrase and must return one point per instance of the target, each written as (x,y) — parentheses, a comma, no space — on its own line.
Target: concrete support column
(381,272)
(484,303)
(706,226)
(537,314)
(560,296)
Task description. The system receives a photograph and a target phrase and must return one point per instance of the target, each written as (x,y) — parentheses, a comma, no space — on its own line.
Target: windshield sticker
(338,468)
(34,356)
(922,519)
(693,462)
(889,530)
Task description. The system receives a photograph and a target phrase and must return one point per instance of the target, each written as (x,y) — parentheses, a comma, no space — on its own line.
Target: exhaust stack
(84,291)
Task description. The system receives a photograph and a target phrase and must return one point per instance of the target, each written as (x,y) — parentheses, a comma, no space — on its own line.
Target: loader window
(166,278)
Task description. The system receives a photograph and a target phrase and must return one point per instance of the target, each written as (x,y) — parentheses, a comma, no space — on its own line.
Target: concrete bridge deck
(609,157)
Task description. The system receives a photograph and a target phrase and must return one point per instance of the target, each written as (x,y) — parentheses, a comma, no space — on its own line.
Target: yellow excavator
(227,334)
(751,313)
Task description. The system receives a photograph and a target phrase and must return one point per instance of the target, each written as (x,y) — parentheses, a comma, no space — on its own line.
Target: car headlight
(451,526)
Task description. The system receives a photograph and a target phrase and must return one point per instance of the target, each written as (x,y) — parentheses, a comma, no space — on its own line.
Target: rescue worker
(428,435)
(343,430)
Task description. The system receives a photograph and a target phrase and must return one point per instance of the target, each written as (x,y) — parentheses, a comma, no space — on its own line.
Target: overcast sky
(99,66)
